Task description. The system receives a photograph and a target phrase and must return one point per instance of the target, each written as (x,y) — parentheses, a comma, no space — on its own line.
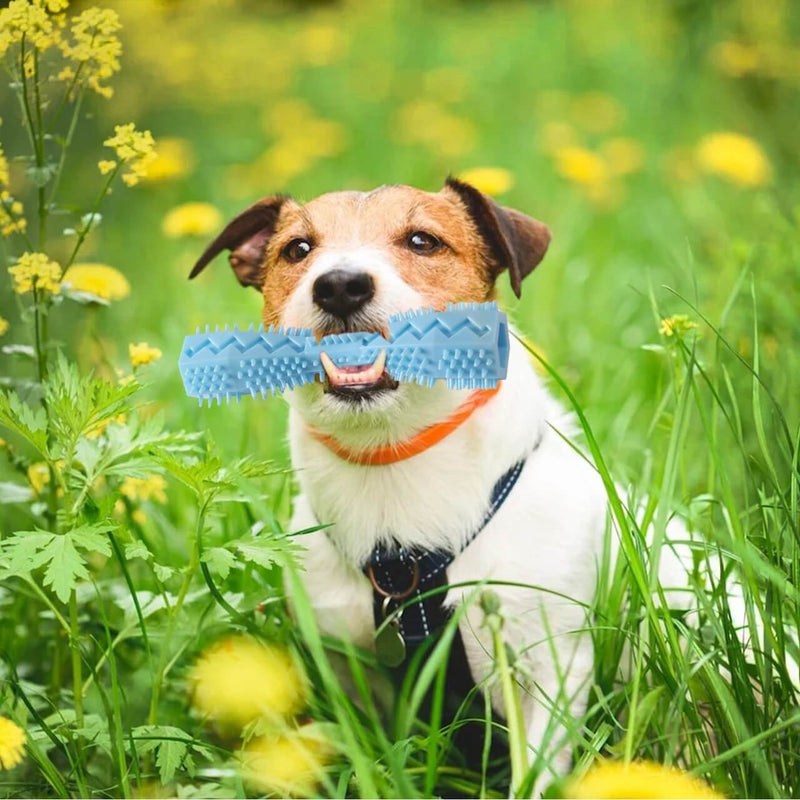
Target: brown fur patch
(383,219)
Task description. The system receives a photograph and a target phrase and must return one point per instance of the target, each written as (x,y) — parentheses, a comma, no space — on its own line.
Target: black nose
(341,292)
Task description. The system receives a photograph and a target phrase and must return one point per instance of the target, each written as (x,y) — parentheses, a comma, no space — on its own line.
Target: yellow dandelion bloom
(735,58)
(556,136)
(676,325)
(174,159)
(36,271)
(623,155)
(97,279)
(12,743)
(734,157)
(322,45)
(138,490)
(239,680)
(191,219)
(581,166)
(3,326)
(142,354)
(639,779)
(597,112)
(94,47)
(135,149)
(291,764)
(489,180)
(38,477)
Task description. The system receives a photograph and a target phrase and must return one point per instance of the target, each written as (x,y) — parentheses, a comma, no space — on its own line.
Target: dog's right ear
(246,236)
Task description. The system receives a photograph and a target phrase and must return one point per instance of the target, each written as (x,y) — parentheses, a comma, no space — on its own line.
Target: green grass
(100,623)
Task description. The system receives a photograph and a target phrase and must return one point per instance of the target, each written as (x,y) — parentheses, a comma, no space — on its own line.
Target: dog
(348,261)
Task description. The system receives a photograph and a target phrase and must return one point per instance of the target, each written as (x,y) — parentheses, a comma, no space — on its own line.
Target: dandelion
(556,136)
(735,58)
(285,764)
(99,280)
(734,157)
(239,680)
(95,47)
(676,325)
(3,326)
(142,354)
(597,112)
(38,477)
(490,180)
(623,155)
(640,779)
(174,159)
(12,743)
(36,271)
(581,166)
(191,219)
(135,149)
(139,490)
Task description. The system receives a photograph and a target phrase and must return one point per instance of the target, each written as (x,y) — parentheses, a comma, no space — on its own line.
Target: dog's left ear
(515,241)
(246,236)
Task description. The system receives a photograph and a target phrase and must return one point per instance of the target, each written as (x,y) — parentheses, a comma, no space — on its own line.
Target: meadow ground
(658,140)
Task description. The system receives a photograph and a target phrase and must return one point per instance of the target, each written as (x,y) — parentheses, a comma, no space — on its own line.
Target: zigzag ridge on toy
(466,345)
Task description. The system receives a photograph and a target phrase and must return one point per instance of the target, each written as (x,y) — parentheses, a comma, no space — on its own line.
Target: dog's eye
(296,250)
(421,242)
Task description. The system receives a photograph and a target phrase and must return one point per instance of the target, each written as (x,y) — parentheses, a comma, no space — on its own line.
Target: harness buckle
(396,595)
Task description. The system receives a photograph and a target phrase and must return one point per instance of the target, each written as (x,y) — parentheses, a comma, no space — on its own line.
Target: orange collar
(392,453)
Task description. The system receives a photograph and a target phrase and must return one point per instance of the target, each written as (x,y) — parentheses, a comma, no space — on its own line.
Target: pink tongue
(351,370)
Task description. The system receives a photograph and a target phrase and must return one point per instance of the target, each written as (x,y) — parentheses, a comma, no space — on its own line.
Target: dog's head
(347,261)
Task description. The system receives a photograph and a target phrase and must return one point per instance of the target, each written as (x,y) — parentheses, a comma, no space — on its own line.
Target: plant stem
(77,681)
(174,613)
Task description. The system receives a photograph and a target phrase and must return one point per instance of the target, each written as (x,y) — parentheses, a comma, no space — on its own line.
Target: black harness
(406,615)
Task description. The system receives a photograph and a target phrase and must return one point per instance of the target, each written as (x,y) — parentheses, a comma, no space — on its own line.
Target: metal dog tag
(390,647)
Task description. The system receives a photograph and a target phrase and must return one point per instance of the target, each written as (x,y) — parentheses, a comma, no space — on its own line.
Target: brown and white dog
(348,261)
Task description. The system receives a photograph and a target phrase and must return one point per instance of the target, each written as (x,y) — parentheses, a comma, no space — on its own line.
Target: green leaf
(41,176)
(29,422)
(65,567)
(163,573)
(136,549)
(220,560)
(170,743)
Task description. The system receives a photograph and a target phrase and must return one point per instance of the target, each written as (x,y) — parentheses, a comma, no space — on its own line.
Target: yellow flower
(11,219)
(556,136)
(623,155)
(734,157)
(239,680)
(97,279)
(135,149)
(100,428)
(29,19)
(12,742)
(285,764)
(95,47)
(105,166)
(3,326)
(581,166)
(142,354)
(174,159)
(38,476)
(322,45)
(735,59)
(138,490)
(676,325)
(5,173)
(641,779)
(490,180)
(191,219)
(427,123)
(597,112)
(36,271)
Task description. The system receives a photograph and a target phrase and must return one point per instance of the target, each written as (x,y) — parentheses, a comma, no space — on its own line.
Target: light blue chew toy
(466,345)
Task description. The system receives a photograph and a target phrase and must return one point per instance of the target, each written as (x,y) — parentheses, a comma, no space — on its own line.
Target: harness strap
(400,575)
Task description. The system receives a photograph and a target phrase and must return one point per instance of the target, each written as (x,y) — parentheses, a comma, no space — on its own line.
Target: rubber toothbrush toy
(467,345)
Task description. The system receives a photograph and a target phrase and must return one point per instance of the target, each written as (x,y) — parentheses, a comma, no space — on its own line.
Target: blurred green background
(612,120)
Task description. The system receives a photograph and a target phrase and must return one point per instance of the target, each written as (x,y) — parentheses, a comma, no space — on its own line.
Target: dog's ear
(246,236)
(515,241)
